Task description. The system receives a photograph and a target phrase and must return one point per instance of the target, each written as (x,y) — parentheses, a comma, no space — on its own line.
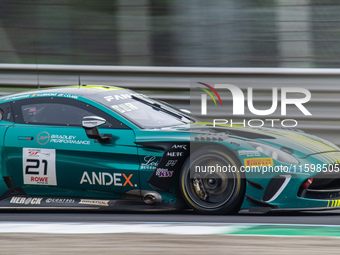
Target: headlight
(274,153)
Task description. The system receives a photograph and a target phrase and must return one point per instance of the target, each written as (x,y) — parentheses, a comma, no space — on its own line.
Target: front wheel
(211,181)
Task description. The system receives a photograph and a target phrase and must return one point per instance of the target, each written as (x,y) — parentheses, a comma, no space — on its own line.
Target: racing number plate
(39,166)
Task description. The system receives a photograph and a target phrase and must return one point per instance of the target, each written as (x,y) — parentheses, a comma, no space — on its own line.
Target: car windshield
(144,111)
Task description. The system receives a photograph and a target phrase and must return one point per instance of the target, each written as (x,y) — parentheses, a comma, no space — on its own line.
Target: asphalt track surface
(309,218)
(166,244)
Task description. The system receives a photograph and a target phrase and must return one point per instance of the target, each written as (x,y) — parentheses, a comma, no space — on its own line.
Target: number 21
(28,169)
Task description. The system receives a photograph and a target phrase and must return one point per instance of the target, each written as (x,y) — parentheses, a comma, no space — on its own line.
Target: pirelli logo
(333,203)
(253,162)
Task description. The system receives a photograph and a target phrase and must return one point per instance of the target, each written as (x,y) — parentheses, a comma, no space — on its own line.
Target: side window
(59,112)
(53,114)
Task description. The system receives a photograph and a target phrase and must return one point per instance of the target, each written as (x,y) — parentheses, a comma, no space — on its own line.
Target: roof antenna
(36,64)
(79,80)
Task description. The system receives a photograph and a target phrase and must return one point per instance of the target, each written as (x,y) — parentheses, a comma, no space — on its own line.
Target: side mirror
(91,124)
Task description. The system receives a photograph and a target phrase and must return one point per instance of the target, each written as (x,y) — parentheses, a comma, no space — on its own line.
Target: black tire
(209,192)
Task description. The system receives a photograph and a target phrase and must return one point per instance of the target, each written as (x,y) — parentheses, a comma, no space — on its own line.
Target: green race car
(103,147)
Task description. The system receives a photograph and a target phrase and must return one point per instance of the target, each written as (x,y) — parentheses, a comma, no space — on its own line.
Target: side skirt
(24,202)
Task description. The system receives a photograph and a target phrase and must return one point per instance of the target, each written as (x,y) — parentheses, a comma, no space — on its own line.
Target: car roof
(93,92)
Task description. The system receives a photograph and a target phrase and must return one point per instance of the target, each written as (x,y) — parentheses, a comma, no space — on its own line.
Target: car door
(49,153)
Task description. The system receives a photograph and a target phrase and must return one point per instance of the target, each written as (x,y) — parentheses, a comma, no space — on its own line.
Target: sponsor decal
(43,138)
(175,154)
(107,179)
(68,139)
(117,97)
(46,94)
(127,107)
(165,173)
(94,202)
(26,200)
(171,162)
(180,146)
(32,109)
(60,200)
(39,166)
(150,163)
(253,162)
(43,95)
(162,172)
(17,97)
(68,96)
(39,180)
(249,153)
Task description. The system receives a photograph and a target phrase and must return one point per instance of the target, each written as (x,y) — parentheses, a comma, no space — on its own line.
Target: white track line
(88,228)
(174,228)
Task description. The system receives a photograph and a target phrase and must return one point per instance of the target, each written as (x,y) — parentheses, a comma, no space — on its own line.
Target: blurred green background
(217,33)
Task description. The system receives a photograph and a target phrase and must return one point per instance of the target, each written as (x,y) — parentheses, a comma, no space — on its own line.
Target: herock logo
(301,97)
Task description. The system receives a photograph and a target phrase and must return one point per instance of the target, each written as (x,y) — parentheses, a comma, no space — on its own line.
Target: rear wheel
(211,181)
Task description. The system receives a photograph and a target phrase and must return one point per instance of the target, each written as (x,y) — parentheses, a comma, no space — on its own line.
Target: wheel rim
(210,190)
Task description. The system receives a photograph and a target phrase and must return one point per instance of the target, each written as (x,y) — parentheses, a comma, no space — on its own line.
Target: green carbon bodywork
(89,169)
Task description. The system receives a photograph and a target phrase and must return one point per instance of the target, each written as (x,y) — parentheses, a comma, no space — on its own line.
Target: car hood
(302,144)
